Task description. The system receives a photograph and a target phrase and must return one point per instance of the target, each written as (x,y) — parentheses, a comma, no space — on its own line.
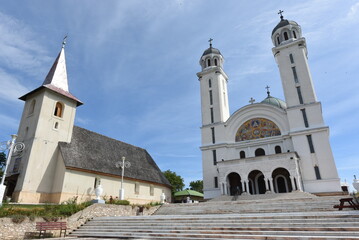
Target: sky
(134,64)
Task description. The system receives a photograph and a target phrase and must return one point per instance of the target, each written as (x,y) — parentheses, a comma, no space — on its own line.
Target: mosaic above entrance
(257,128)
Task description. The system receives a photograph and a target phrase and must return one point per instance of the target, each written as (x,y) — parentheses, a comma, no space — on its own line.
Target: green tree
(176,181)
(2,163)
(197,185)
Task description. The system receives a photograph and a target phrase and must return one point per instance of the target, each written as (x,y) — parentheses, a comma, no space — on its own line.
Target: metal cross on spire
(252,100)
(210,42)
(64,41)
(280,13)
(267,87)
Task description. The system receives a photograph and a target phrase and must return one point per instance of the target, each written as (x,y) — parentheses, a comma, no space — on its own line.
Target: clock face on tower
(257,128)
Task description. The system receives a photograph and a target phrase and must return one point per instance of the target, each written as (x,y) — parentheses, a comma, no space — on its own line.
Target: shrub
(119,202)
(18,218)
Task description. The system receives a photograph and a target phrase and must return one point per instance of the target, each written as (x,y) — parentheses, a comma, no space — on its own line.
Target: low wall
(15,231)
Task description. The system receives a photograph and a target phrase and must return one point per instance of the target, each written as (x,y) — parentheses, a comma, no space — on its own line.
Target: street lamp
(13,148)
(124,164)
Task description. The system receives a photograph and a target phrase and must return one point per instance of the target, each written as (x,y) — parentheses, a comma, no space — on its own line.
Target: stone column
(246,183)
(271,185)
(293,183)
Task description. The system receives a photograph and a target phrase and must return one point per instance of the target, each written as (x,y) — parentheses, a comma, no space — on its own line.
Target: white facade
(271,146)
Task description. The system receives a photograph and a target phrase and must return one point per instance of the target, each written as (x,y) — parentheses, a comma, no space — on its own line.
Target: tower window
(215,62)
(277,149)
(278,40)
(213,136)
(212,116)
(300,95)
(259,152)
(291,58)
(58,110)
(242,154)
(32,107)
(210,97)
(317,173)
(310,142)
(295,74)
(214,153)
(305,117)
(215,182)
(294,35)
(286,36)
(208,62)
(209,83)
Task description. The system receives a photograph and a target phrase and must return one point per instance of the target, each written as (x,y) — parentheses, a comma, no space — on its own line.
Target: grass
(47,211)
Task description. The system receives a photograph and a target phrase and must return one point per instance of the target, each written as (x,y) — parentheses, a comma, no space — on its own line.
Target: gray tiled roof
(94,152)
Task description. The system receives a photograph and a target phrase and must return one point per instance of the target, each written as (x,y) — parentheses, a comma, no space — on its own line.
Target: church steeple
(56,79)
(57,75)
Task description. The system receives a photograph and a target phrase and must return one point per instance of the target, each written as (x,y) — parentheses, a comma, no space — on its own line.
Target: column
(266,183)
(292,181)
(271,184)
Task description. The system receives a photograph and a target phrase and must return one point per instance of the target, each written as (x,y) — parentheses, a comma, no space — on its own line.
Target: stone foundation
(17,231)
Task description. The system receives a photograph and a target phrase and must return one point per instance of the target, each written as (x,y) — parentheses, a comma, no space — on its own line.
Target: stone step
(223,221)
(245,235)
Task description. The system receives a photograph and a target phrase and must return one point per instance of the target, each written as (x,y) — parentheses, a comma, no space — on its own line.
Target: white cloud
(11,88)
(19,48)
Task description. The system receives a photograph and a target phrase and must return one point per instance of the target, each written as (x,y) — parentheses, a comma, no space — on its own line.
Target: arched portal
(256,182)
(235,186)
(281,180)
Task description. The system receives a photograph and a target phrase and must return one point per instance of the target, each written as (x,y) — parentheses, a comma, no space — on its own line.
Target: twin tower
(270,146)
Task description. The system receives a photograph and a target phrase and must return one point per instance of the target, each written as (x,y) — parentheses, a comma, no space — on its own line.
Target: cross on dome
(210,42)
(252,100)
(280,13)
(267,87)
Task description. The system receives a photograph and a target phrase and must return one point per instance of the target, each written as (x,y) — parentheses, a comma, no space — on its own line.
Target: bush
(119,202)
(18,218)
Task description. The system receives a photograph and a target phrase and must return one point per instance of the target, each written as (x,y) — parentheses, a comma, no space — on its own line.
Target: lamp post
(13,148)
(124,164)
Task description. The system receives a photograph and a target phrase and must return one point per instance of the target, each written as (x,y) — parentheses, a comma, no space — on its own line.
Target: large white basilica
(271,146)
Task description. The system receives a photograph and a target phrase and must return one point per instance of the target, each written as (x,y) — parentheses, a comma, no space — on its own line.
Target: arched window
(294,35)
(59,108)
(209,62)
(277,149)
(215,62)
(278,40)
(259,152)
(285,36)
(32,107)
(209,83)
(242,154)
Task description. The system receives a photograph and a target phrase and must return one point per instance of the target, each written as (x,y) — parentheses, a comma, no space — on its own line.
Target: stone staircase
(293,216)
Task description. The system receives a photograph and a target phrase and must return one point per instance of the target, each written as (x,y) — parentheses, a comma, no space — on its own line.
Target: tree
(175,180)
(2,163)
(197,185)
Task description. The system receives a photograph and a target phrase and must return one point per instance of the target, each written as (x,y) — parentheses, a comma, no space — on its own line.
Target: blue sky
(134,64)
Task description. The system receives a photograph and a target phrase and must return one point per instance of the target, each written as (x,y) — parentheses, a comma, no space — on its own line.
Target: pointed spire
(57,75)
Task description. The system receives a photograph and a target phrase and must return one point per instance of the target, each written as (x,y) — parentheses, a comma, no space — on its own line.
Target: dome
(211,50)
(284,22)
(275,102)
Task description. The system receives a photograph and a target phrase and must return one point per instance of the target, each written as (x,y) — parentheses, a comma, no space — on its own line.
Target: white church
(63,161)
(270,146)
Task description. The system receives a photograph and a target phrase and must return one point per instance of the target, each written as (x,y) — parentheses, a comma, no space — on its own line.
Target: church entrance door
(256,182)
(235,186)
(281,180)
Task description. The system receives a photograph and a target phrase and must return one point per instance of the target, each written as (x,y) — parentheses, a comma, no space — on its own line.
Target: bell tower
(215,111)
(47,119)
(308,131)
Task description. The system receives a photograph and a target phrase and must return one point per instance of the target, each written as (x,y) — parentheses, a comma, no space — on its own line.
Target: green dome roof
(275,101)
